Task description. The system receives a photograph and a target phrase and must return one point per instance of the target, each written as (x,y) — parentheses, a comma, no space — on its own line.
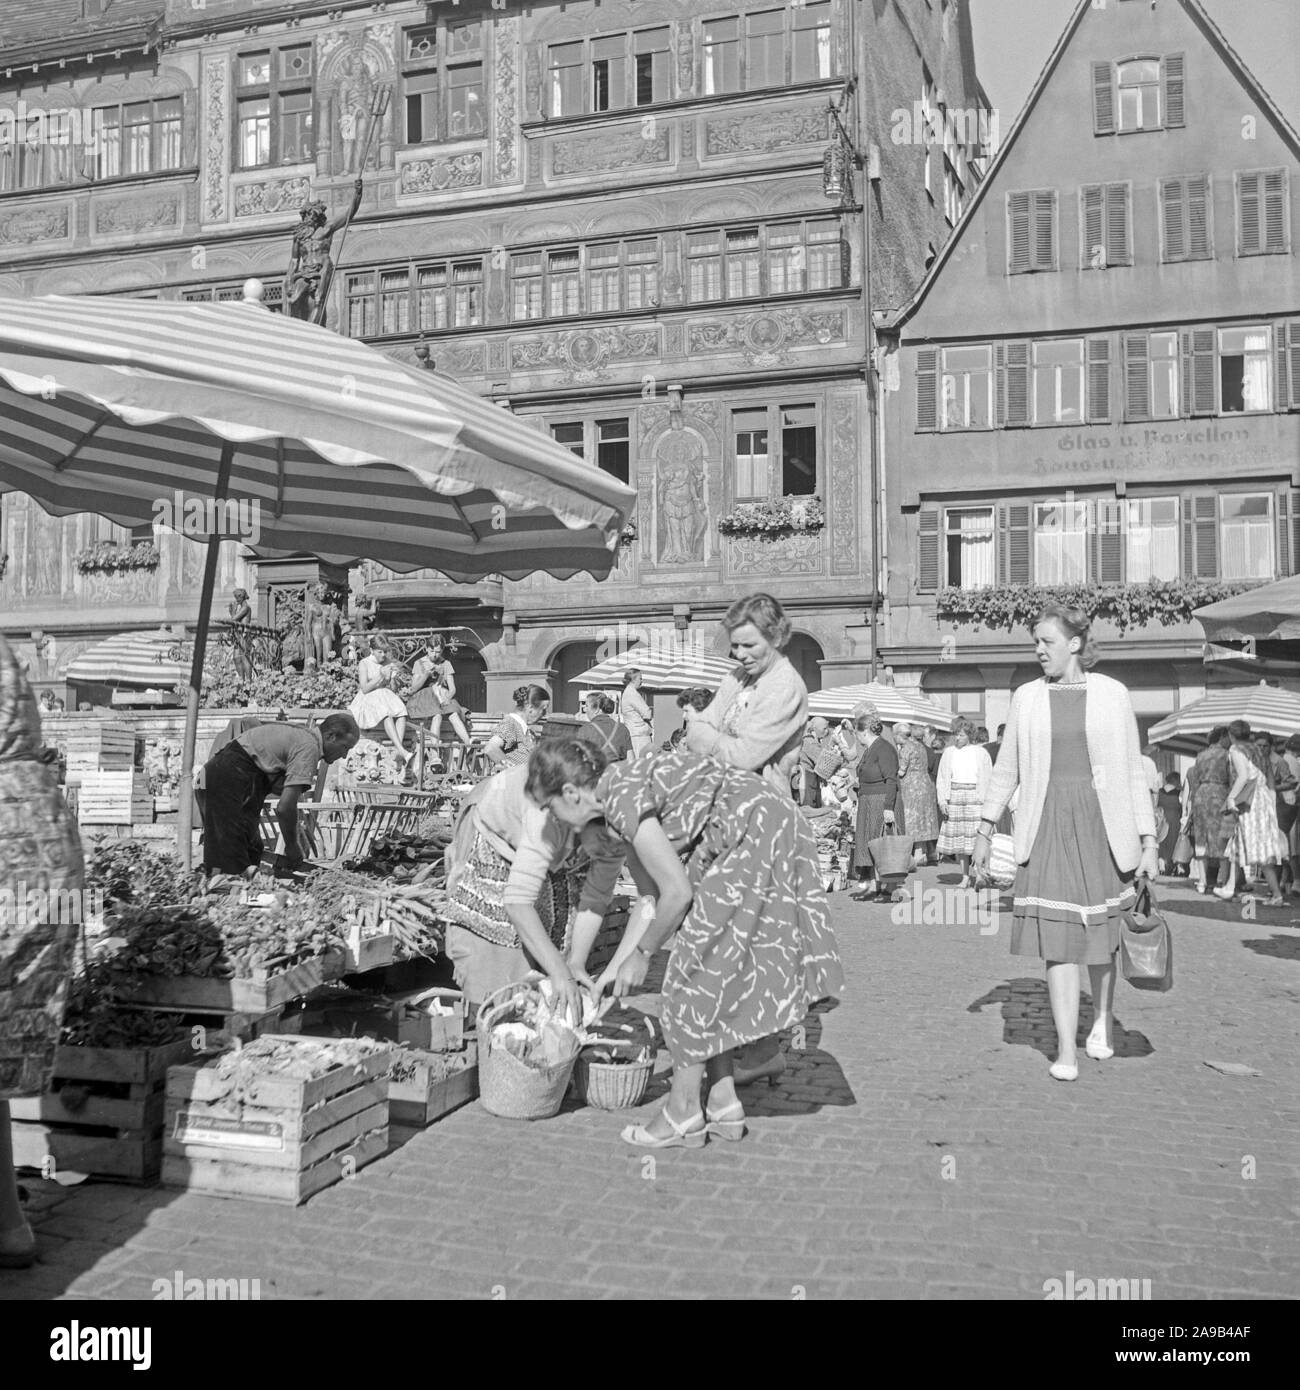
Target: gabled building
(1098,383)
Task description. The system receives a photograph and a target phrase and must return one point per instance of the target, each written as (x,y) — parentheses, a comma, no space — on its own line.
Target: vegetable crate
(425,1086)
(432,1020)
(101,747)
(284,1140)
(101,1114)
(268,988)
(114,798)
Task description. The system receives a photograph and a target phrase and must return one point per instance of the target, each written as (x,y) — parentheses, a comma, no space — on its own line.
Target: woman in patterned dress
(1208,781)
(964,775)
(1084,825)
(736,867)
(920,811)
(1255,844)
(40,849)
(517,734)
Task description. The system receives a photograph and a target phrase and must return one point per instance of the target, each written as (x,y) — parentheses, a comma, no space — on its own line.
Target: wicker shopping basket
(508,1087)
(610,1085)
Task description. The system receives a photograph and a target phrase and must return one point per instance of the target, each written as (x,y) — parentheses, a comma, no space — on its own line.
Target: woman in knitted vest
(1084,825)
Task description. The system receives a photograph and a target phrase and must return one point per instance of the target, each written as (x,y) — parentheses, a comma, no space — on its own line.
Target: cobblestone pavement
(916,1147)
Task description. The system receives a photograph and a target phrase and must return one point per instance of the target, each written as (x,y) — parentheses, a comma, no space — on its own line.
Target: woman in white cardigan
(1084,825)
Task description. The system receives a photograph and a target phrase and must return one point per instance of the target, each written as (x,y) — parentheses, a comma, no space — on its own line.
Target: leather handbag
(1146,948)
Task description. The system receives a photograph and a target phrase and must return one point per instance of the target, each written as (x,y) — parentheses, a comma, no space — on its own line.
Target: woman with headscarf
(40,862)
(1208,781)
(878,800)
(920,807)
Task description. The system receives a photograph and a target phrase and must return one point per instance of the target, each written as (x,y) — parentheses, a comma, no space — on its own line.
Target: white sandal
(690,1134)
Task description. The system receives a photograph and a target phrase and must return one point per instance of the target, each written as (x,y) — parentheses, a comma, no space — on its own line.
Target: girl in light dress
(1256,839)
(376,703)
(961,786)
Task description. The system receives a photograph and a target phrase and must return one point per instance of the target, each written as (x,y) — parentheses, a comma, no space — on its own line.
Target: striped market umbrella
(149,659)
(294,439)
(1270,612)
(1264,707)
(894,706)
(661,669)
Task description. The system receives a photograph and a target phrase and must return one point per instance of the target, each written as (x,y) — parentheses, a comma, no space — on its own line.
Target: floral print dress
(755,949)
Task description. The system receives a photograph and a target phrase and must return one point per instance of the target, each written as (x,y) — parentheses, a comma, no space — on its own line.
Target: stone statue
(353,97)
(680,488)
(320,623)
(241,613)
(310,266)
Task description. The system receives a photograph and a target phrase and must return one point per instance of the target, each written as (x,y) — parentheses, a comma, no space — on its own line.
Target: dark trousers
(231,807)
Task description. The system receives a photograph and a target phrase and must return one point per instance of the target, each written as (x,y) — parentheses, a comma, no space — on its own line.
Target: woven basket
(508,1087)
(615,1085)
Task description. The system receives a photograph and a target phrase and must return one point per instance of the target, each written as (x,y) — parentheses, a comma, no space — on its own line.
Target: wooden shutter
(1019,257)
(1117,225)
(1287,503)
(1106,542)
(1275,200)
(1175,221)
(1098,402)
(1198,364)
(1292,334)
(1201,536)
(1281,368)
(1094,230)
(1044,251)
(1137,377)
(1171,76)
(1013,384)
(929,522)
(1200,239)
(927,389)
(1249,215)
(1014,522)
(1103,99)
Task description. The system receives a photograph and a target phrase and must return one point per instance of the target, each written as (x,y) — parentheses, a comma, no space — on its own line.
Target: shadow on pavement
(1027,1020)
(1281,947)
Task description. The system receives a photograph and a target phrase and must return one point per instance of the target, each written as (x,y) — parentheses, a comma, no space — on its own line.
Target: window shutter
(1098,405)
(1103,99)
(1275,199)
(1106,543)
(1137,379)
(1013,544)
(1286,502)
(927,389)
(927,550)
(1293,363)
(1018,241)
(1200,242)
(1117,224)
(1044,252)
(1281,367)
(1171,73)
(1175,228)
(1094,235)
(1201,536)
(1199,395)
(1013,384)
(1293,549)
(1249,224)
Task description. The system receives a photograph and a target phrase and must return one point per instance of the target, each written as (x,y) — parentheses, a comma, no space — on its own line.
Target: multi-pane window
(968,547)
(613,72)
(273,107)
(795,469)
(967,388)
(414,298)
(132,138)
(1058,382)
(1246,536)
(606,442)
(605,277)
(747,262)
(232,292)
(769,48)
(1138,84)
(1151,536)
(1151,374)
(1138,94)
(622,275)
(1244,370)
(1186,219)
(572,434)
(1263,213)
(443,83)
(1061,542)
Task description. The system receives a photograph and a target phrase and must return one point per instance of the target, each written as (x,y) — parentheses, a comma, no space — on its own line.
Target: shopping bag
(1184,851)
(1001,867)
(829,761)
(1146,951)
(891,854)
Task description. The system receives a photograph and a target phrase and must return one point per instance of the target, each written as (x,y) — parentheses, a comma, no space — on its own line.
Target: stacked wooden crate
(114,798)
(437,1069)
(99,746)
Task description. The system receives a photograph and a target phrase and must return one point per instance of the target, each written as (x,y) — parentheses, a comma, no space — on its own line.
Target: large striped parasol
(661,669)
(1264,707)
(121,407)
(894,706)
(149,659)
(1270,612)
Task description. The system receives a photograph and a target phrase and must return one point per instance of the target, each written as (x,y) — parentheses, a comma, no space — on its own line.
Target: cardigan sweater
(1025,758)
(768,729)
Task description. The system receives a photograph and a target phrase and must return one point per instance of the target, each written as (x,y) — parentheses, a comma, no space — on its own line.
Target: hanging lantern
(835,168)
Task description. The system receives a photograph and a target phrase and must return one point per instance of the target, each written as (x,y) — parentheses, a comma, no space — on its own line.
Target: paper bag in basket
(1146,949)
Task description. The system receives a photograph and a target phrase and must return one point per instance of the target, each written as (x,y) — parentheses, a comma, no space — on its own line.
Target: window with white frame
(421,297)
(443,82)
(1162,368)
(605,442)
(1058,382)
(768,48)
(1246,536)
(610,72)
(968,547)
(273,107)
(795,429)
(1151,536)
(750,427)
(780,258)
(967,386)
(1138,84)
(1061,542)
(721,54)
(1244,370)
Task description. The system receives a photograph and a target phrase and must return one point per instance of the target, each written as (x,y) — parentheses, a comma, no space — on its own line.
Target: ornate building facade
(610,217)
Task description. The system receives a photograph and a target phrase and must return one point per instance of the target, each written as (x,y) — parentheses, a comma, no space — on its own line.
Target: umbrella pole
(185,810)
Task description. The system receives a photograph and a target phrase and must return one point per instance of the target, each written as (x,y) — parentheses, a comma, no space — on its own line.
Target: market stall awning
(1269,612)
(894,706)
(148,659)
(1264,707)
(662,668)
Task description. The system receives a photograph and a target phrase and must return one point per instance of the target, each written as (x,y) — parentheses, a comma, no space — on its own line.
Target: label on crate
(266,1135)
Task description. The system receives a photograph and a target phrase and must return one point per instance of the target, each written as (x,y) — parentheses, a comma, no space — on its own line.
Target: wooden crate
(426,1031)
(114,798)
(287,1140)
(101,747)
(270,987)
(441,1083)
(367,948)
